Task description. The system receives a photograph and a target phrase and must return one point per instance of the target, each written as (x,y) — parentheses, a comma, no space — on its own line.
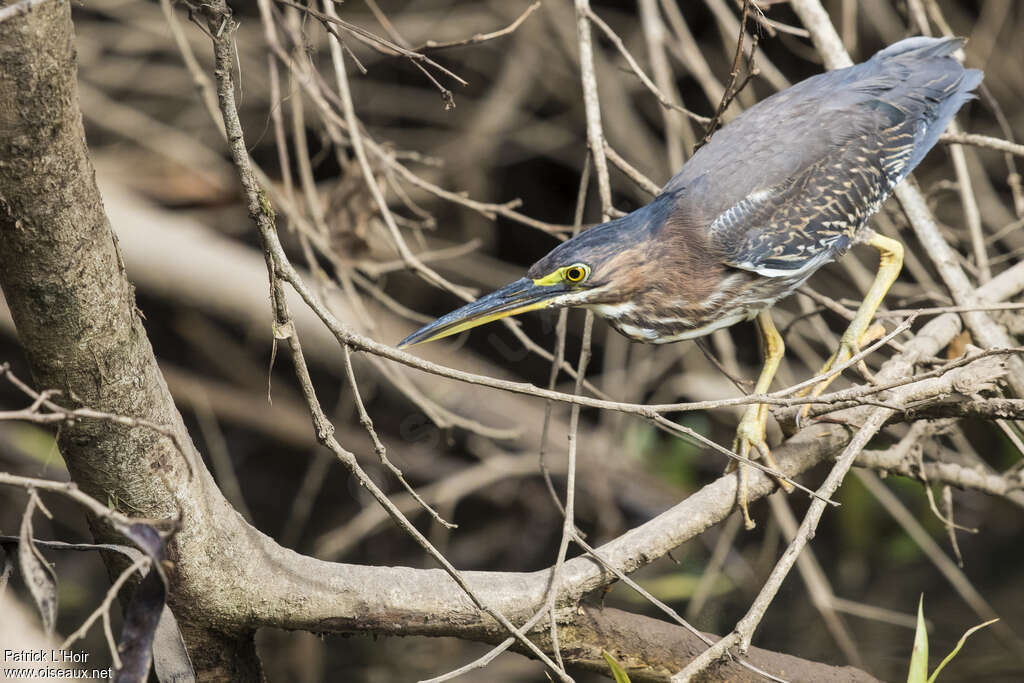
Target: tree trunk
(74,309)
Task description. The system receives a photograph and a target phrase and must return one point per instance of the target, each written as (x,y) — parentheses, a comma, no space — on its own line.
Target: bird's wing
(786,184)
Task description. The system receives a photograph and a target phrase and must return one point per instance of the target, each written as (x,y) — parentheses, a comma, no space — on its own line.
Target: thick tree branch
(650,649)
(985,409)
(1010,486)
(64,281)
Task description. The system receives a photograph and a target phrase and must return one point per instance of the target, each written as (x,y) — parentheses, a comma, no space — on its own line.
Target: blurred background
(483,179)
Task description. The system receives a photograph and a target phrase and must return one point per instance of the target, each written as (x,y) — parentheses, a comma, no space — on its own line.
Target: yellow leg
(858,333)
(750,435)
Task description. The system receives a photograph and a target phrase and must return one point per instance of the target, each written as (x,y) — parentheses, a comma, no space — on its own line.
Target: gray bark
(75,314)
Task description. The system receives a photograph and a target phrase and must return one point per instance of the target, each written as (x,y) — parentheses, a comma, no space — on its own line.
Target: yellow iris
(574,274)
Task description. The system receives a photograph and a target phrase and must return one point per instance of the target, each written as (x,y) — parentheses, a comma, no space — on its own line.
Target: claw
(750,443)
(750,433)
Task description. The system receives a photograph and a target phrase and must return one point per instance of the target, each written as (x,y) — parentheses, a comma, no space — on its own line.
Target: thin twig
(744,630)
(730,89)
(103,610)
(480,37)
(648,83)
(378,445)
(374,40)
(56,413)
(569,523)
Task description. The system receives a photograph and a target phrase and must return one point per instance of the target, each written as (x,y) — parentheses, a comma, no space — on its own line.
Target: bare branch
(481,37)
(983,141)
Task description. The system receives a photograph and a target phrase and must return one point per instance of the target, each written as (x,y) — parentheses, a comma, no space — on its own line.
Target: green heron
(785,188)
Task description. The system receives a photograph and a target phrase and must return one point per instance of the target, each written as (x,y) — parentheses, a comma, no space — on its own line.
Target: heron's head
(603,265)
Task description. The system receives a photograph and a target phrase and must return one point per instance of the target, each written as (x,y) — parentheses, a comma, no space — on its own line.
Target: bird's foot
(750,443)
(848,348)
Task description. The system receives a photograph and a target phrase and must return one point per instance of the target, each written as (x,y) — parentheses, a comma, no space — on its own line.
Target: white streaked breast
(638,333)
(614,311)
(727,321)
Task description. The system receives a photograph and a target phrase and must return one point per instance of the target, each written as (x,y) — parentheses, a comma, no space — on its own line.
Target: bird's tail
(942,83)
(921,47)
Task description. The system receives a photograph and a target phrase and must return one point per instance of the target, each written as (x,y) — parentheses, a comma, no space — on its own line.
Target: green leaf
(919,657)
(960,644)
(617,671)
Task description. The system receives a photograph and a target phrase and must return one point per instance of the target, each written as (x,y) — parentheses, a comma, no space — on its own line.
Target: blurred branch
(648,83)
(983,141)
(969,202)
(818,586)
(1008,485)
(956,577)
(592,106)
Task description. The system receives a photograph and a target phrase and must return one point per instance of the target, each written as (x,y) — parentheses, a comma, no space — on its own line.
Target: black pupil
(575,274)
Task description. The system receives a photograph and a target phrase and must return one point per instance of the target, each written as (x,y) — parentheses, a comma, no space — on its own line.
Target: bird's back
(788,182)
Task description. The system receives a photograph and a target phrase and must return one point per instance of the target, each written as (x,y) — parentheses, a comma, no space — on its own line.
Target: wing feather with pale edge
(792,179)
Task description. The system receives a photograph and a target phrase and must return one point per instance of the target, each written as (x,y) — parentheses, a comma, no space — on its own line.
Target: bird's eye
(577,273)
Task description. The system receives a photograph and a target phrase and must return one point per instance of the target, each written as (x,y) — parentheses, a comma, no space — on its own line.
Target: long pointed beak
(517,297)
